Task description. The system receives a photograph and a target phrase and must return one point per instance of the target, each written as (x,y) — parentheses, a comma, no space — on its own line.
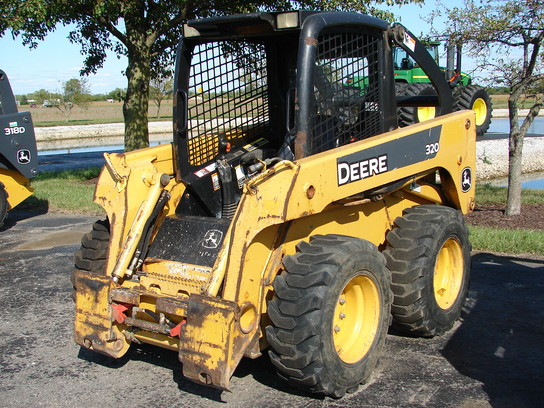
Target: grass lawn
(68,191)
(520,237)
(510,241)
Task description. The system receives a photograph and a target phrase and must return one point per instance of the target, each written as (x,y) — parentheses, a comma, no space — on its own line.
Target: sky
(56,60)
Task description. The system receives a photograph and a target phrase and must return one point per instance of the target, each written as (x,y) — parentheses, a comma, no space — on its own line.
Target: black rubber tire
(465,97)
(400,87)
(3,204)
(412,253)
(306,298)
(408,115)
(92,254)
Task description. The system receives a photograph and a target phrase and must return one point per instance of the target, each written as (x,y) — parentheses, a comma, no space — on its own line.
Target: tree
(159,89)
(146,31)
(40,96)
(507,37)
(117,94)
(74,92)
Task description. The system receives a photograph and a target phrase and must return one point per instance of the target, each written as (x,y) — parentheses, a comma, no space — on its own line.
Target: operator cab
(252,90)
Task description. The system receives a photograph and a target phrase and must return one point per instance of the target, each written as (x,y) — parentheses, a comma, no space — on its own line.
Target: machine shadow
(156,356)
(261,369)
(16,215)
(499,342)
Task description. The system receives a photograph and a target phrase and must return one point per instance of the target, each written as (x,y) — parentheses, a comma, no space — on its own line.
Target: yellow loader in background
(290,214)
(18,153)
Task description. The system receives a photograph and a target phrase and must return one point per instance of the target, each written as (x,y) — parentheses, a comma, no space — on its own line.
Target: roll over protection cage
(310,25)
(311,29)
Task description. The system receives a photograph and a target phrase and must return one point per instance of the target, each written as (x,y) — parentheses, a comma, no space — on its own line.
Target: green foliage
(42,95)
(498,90)
(76,91)
(505,36)
(98,97)
(160,88)
(118,94)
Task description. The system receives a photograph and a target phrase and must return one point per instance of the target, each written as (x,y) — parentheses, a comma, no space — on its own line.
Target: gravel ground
(492,157)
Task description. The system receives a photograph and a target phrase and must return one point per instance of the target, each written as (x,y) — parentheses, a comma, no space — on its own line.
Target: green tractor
(410,80)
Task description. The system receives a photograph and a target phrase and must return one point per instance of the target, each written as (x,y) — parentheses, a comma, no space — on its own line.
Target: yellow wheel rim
(425,113)
(356,319)
(448,274)
(480,108)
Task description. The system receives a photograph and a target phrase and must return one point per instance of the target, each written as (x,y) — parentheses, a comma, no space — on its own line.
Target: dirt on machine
(18,153)
(291,215)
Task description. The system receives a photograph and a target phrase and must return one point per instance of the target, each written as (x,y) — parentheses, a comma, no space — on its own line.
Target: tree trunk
(513,199)
(136,103)
(158,103)
(515,150)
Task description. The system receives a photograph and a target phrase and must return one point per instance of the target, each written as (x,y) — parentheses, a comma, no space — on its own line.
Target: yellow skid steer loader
(290,214)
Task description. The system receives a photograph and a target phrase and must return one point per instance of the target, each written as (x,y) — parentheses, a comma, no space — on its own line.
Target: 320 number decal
(432,148)
(16,130)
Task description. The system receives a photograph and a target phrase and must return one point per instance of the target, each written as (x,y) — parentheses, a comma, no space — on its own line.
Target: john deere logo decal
(212,239)
(23,156)
(466,179)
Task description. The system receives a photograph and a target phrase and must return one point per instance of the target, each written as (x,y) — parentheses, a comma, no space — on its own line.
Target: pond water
(532,180)
(501,125)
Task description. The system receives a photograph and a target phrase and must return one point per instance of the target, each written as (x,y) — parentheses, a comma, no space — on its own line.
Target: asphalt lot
(494,357)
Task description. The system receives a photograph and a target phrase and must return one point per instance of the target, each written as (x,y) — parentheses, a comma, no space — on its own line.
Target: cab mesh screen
(346,85)
(228,96)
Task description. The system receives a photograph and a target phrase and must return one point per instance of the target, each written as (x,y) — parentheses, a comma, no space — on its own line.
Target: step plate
(189,240)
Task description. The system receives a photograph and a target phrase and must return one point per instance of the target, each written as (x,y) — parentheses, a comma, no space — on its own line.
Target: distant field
(97,112)
(501,102)
(106,112)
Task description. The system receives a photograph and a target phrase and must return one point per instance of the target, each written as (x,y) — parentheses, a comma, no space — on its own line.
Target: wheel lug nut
(342,315)
(336,329)
(342,301)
